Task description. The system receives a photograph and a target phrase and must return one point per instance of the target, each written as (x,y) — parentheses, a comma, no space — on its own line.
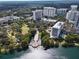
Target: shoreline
(34,48)
(44,48)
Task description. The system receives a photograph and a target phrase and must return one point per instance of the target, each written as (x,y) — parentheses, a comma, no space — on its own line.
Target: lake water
(39,53)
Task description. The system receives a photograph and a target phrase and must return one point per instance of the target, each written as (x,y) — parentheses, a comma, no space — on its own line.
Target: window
(54,32)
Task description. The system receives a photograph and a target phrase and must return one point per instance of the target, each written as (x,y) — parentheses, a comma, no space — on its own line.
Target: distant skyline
(39,0)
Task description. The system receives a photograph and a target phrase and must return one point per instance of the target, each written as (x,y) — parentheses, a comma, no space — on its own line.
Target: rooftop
(62,9)
(49,8)
(74,6)
(49,20)
(58,25)
(8,18)
(37,11)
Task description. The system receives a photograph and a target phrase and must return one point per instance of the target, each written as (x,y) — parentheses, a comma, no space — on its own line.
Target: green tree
(71,38)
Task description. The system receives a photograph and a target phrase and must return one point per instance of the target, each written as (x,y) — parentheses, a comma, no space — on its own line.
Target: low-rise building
(49,20)
(4,20)
(56,30)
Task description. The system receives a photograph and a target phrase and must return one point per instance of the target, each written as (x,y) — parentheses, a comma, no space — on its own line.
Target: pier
(36,41)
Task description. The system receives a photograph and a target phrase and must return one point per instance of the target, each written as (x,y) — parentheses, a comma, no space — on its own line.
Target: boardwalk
(36,41)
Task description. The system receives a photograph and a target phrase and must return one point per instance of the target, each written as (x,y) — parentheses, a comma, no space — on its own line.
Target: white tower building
(77,23)
(74,7)
(37,14)
(73,17)
(71,14)
(49,11)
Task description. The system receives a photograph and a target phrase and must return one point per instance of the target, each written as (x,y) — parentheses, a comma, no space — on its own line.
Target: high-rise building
(49,11)
(74,7)
(37,14)
(76,24)
(71,14)
(61,11)
(56,30)
(73,17)
(77,21)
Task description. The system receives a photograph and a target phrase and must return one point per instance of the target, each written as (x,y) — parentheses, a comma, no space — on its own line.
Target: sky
(39,0)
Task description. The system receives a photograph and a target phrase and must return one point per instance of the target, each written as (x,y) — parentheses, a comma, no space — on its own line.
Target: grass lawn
(13,38)
(25,29)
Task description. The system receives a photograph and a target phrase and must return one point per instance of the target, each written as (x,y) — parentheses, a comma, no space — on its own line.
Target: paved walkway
(36,41)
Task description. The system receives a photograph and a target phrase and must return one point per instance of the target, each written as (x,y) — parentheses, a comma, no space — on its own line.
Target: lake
(39,53)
